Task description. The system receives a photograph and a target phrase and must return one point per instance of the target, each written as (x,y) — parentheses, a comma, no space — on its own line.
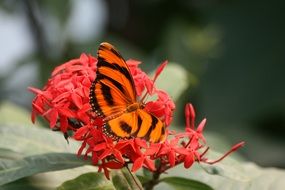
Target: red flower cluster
(64,103)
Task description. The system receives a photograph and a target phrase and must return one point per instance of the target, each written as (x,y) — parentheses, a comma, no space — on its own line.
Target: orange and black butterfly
(113,97)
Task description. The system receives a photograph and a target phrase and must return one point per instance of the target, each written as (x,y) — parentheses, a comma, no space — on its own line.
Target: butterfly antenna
(144,97)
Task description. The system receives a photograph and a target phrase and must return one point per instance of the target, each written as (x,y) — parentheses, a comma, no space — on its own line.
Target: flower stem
(154,181)
(139,186)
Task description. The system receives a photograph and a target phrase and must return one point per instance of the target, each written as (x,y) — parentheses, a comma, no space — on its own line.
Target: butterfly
(113,97)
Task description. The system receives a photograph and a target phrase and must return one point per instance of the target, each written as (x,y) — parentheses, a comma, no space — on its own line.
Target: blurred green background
(233,51)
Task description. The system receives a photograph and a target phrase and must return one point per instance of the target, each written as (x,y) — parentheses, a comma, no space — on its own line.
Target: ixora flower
(64,103)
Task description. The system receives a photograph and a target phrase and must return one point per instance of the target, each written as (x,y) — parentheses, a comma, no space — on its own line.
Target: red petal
(150,164)
(160,69)
(152,150)
(83,145)
(100,146)
(86,82)
(53,115)
(132,62)
(38,108)
(114,165)
(80,91)
(63,123)
(107,173)
(171,158)
(168,120)
(66,112)
(201,126)
(75,68)
(138,164)
(140,142)
(165,148)
(80,133)
(64,95)
(95,159)
(77,100)
(118,156)
(33,115)
(190,115)
(35,90)
(121,144)
(182,151)
(188,161)
(84,58)
(139,88)
(149,85)
(237,146)
(106,153)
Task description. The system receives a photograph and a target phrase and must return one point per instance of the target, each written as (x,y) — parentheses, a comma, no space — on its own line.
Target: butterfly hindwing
(138,123)
(123,126)
(150,127)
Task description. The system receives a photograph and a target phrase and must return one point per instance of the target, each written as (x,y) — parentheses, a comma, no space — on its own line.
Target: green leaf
(228,167)
(233,172)
(10,113)
(11,170)
(48,180)
(8,154)
(90,181)
(124,179)
(172,75)
(258,178)
(180,183)
(31,140)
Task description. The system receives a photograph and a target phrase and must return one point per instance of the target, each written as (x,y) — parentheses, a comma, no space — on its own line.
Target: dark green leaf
(23,183)
(143,179)
(124,179)
(180,183)
(11,170)
(147,173)
(90,181)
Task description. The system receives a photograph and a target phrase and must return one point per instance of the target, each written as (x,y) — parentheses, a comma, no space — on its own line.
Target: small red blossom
(64,103)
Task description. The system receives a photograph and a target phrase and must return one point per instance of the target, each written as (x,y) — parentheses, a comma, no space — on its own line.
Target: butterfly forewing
(113,67)
(113,87)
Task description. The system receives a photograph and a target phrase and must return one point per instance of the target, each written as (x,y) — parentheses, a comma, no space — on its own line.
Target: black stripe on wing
(114,82)
(139,123)
(120,74)
(125,127)
(123,70)
(154,121)
(93,101)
